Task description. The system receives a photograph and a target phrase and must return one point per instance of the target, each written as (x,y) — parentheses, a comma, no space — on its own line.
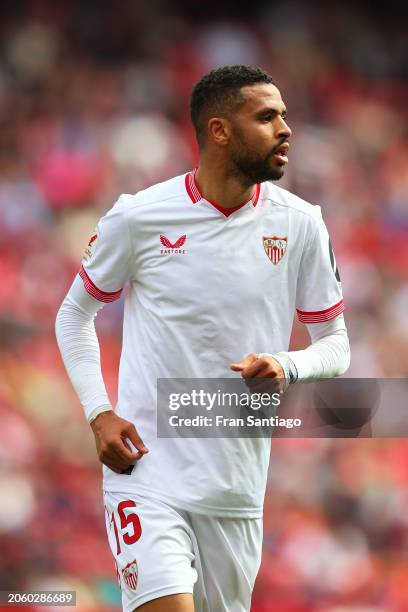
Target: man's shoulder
(159,192)
(283,197)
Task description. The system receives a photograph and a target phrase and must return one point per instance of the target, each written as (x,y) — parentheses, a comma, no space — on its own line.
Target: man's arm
(328,356)
(79,346)
(319,304)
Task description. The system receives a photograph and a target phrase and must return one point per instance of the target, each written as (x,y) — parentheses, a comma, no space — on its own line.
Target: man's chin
(272,175)
(261,173)
(277,175)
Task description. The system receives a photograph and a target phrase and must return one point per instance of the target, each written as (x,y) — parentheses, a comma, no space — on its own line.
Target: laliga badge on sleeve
(91,246)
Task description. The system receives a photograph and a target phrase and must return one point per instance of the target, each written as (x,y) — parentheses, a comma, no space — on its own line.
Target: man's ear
(219,130)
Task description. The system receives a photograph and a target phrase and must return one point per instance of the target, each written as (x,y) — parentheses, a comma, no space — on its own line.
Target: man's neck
(217,184)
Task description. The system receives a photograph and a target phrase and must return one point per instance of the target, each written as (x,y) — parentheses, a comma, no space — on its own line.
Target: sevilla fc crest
(130,573)
(275,247)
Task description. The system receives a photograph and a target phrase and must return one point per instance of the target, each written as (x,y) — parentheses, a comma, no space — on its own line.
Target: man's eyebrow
(272,111)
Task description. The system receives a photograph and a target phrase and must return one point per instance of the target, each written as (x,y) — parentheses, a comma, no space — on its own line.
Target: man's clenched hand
(111,433)
(254,367)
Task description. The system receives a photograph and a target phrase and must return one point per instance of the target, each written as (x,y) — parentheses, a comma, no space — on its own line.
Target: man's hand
(253,367)
(110,433)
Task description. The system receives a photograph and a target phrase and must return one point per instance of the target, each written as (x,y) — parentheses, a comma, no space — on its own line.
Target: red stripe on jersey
(320,316)
(225,211)
(195,195)
(98,294)
(195,189)
(255,197)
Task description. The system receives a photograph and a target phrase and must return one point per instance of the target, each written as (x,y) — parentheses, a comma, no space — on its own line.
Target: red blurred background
(94,103)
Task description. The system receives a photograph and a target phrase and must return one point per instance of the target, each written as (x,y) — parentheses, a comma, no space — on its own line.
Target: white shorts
(160,551)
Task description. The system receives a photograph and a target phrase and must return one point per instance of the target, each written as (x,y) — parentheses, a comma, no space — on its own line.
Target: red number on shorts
(115,529)
(131,518)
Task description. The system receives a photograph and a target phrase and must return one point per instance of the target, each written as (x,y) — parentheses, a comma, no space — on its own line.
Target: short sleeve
(319,296)
(106,262)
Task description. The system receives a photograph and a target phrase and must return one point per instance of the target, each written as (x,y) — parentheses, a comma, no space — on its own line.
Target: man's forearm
(79,346)
(328,355)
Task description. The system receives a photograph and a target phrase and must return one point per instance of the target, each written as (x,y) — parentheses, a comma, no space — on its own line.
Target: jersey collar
(195,195)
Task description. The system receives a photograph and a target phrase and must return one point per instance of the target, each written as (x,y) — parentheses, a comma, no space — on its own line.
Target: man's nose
(284,130)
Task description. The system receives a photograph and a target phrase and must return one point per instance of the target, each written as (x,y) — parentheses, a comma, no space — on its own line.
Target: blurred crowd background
(94,103)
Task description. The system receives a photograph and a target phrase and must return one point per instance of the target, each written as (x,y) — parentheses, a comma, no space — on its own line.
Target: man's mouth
(281,153)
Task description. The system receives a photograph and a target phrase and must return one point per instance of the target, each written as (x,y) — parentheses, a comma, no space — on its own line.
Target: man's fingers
(256,369)
(115,452)
(126,452)
(263,367)
(135,455)
(136,440)
(241,365)
(114,438)
(122,450)
(123,453)
(113,461)
(236,367)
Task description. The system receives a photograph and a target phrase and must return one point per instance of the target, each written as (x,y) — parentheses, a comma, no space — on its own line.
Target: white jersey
(207,286)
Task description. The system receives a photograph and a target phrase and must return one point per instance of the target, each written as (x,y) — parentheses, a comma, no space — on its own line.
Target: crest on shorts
(130,573)
(275,247)
(91,246)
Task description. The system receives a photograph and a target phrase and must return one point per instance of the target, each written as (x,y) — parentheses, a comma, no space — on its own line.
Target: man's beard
(252,167)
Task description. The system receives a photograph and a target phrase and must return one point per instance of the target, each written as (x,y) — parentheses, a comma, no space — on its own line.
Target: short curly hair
(218,92)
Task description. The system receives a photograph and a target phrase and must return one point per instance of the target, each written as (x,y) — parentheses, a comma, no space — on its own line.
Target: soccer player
(217,261)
